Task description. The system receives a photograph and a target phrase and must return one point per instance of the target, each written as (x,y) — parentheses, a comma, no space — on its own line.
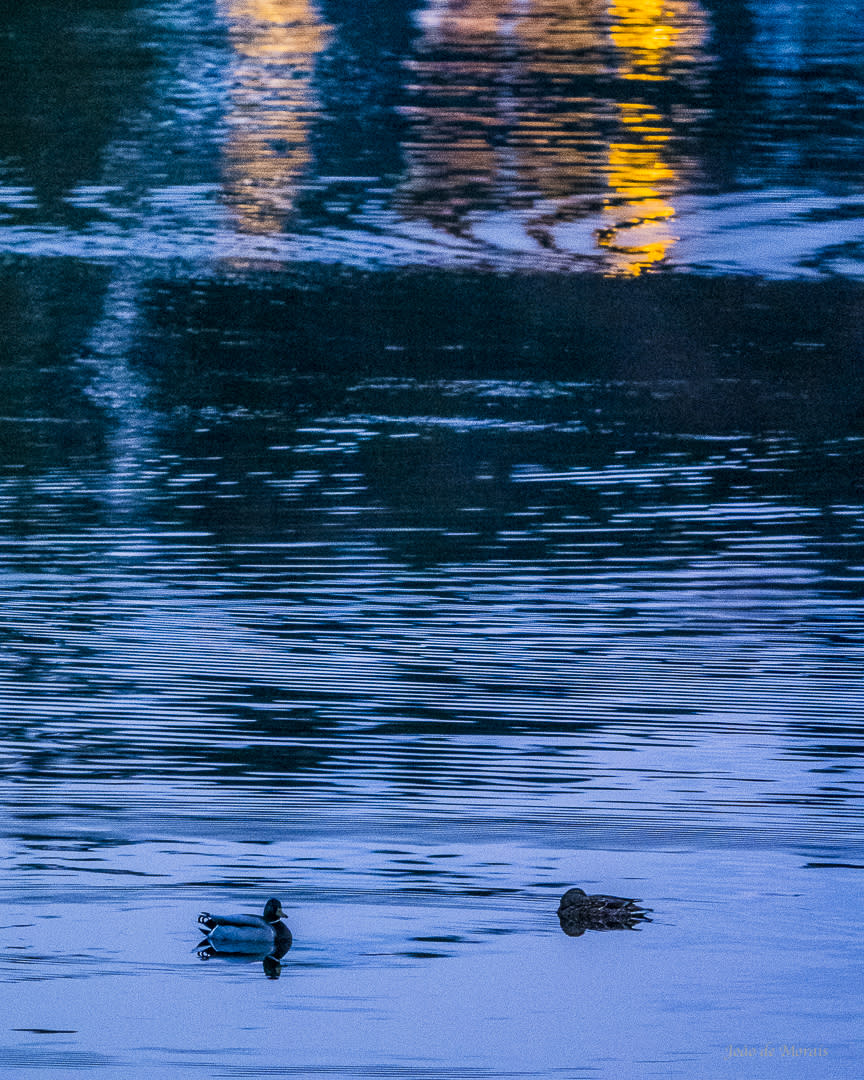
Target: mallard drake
(579,912)
(248,933)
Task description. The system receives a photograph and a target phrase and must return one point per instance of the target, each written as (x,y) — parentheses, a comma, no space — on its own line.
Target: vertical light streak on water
(652,40)
(122,391)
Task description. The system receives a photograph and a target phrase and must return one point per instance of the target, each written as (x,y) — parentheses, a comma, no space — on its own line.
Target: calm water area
(432,478)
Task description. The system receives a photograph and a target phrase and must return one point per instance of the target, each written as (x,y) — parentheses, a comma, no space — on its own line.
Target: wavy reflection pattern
(531,121)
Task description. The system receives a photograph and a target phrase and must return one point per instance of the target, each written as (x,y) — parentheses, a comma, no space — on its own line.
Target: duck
(248,933)
(578,912)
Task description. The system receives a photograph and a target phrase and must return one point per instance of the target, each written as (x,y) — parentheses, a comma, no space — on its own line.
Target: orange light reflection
(273,105)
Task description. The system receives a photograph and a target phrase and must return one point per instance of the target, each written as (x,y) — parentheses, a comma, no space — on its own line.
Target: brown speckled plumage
(579,912)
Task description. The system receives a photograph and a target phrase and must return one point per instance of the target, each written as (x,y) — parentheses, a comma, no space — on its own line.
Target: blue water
(431,472)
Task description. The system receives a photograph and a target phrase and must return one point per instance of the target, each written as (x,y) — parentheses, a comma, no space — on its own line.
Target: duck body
(579,912)
(248,933)
(600,903)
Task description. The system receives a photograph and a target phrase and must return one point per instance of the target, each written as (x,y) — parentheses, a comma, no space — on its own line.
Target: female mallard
(248,933)
(579,912)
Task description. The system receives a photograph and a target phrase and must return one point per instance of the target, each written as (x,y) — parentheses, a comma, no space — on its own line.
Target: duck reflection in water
(579,912)
(247,935)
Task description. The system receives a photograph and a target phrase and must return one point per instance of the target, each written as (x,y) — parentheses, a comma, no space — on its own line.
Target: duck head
(273,911)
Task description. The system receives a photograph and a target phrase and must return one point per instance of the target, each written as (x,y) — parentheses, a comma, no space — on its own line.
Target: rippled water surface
(394,521)
(621,135)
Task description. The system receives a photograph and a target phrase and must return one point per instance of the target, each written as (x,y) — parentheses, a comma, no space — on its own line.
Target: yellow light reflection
(653,37)
(639,234)
(273,104)
(651,34)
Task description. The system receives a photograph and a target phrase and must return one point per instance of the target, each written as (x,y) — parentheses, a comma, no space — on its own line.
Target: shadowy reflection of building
(545,114)
(273,106)
(70,75)
(453,79)
(49,417)
(359,83)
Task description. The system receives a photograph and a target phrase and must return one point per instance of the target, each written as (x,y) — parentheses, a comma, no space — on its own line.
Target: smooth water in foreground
(393,522)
